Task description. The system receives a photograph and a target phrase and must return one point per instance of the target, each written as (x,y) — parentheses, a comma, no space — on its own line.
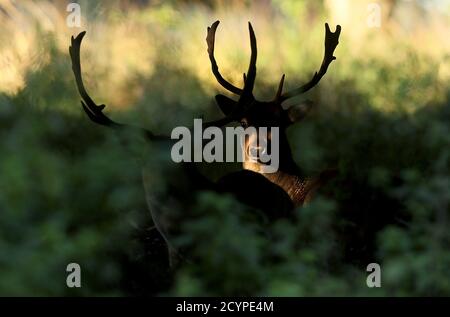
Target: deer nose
(255,151)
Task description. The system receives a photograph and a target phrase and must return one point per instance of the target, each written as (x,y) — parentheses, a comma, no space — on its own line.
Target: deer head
(248,111)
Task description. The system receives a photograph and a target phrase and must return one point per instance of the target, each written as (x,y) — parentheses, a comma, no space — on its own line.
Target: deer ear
(297,112)
(226,104)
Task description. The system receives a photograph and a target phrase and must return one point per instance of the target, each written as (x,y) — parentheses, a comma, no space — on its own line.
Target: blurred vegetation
(72,192)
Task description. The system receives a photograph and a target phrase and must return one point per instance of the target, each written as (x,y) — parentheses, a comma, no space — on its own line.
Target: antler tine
(331,42)
(251,73)
(280,88)
(210,40)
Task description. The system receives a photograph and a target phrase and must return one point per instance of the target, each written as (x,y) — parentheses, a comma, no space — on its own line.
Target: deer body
(274,193)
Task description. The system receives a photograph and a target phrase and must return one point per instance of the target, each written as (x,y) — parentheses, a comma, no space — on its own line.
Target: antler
(94,111)
(210,40)
(331,42)
(251,75)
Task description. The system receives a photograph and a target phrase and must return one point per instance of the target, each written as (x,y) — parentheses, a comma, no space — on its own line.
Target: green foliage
(66,195)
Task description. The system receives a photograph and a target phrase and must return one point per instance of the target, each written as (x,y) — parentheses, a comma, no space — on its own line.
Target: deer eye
(244,124)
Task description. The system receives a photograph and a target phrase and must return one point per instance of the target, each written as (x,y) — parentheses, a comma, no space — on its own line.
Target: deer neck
(293,184)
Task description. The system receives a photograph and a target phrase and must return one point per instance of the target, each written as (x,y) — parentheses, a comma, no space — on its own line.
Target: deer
(277,193)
